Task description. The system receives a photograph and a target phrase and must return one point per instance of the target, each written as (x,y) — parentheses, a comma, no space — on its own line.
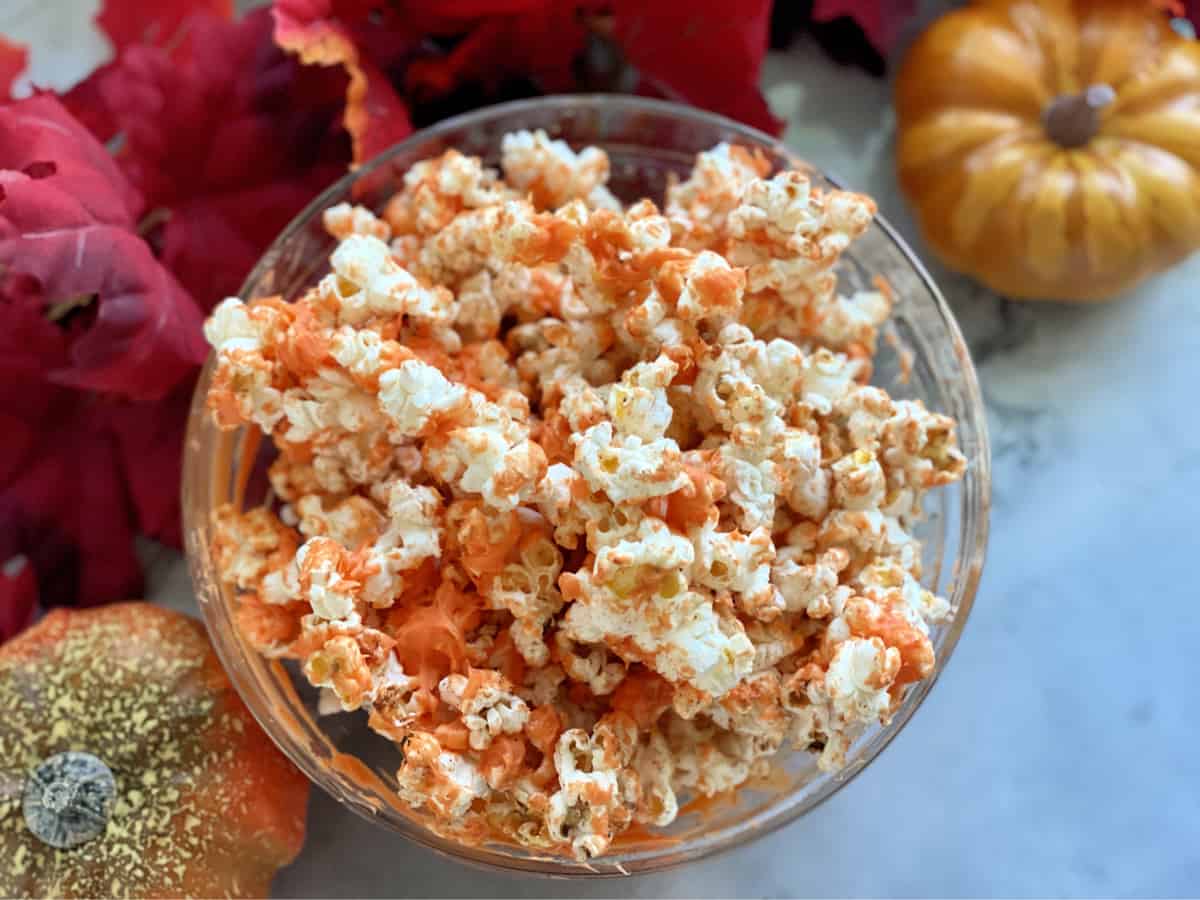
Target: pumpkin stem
(68,799)
(1071,120)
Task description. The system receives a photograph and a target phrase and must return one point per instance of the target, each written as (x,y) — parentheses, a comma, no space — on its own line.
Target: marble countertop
(1055,756)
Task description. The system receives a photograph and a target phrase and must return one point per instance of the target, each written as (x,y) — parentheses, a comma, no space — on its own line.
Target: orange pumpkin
(129,767)
(1051,148)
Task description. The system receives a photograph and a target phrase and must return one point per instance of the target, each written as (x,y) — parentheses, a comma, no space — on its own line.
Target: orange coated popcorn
(589,508)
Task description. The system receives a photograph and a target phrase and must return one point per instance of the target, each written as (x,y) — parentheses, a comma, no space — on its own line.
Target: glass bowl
(924,357)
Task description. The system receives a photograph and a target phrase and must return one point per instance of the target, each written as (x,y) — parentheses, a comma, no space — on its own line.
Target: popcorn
(858,481)
(655,768)
(652,545)
(527,590)
(707,761)
(444,782)
(590,509)
(412,535)
(488,706)
(638,406)
(703,202)
(810,588)
(732,561)
(367,281)
(711,287)
(414,393)
(550,170)
(326,582)
(340,667)
(324,406)
(754,709)
(493,458)
(598,668)
(345,219)
(248,547)
(595,801)
(675,631)
(628,469)
(229,327)
(351,522)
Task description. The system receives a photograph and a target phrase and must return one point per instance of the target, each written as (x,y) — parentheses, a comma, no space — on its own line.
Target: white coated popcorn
(653,544)
(593,664)
(327,402)
(655,767)
(675,630)
(702,203)
(858,679)
(228,327)
(331,595)
(780,207)
(810,588)
(549,168)
(379,285)
(588,508)
(489,708)
(413,392)
(592,790)
(627,469)
(493,457)
(411,536)
(730,560)
(707,760)
(858,481)
(345,219)
(445,782)
(708,278)
(638,406)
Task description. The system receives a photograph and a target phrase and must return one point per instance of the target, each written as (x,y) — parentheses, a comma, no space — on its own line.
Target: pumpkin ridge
(1054,37)
(1178,64)
(991,142)
(1176,219)
(1025,94)
(1123,136)
(1091,199)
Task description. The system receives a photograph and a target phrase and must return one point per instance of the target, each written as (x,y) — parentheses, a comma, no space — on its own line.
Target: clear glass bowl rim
(962,590)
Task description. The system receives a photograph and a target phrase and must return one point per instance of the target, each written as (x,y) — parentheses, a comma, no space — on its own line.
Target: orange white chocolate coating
(590,509)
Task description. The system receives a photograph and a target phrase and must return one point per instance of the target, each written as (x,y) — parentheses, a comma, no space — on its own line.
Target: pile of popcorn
(589,507)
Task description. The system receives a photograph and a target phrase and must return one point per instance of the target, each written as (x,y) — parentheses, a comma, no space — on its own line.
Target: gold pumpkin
(1051,148)
(129,767)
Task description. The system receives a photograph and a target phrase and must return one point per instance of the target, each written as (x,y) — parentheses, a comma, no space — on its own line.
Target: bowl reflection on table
(646,142)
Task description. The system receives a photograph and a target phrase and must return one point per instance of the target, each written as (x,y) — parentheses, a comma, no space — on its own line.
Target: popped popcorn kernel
(550,171)
(589,508)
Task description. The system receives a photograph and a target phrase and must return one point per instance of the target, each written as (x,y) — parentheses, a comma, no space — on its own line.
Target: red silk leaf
(63,504)
(375,116)
(13,59)
(130,23)
(228,138)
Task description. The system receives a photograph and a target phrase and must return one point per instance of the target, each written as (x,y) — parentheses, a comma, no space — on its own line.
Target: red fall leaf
(18,594)
(436,49)
(375,116)
(130,23)
(227,138)
(667,41)
(99,346)
(63,504)
(13,59)
(65,222)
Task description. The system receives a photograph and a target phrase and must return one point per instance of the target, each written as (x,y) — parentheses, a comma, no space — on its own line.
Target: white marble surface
(1057,755)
